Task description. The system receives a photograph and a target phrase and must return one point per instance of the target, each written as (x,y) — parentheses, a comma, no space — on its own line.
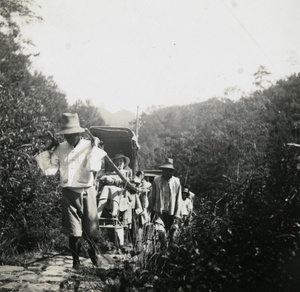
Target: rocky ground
(53,272)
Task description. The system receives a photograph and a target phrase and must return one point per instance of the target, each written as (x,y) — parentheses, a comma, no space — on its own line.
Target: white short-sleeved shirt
(76,164)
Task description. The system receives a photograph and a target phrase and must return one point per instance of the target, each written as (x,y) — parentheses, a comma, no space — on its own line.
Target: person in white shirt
(191,194)
(187,206)
(76,159)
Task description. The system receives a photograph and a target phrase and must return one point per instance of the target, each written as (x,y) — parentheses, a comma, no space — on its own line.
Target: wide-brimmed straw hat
(168,164)
(70,124)
(121,155)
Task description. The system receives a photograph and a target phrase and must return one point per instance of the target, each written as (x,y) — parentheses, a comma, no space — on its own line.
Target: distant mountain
(118,119)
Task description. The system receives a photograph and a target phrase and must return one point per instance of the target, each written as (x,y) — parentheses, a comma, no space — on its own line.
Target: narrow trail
(53,272)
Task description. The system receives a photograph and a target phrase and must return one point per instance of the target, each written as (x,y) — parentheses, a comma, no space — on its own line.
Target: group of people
(163,201)
(77,161)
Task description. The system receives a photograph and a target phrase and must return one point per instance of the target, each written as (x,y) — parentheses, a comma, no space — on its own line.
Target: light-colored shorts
(73,205)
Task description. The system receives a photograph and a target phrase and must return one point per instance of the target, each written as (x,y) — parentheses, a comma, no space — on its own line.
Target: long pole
(137,124)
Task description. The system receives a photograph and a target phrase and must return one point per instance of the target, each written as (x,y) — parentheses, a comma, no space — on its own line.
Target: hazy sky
(121,54)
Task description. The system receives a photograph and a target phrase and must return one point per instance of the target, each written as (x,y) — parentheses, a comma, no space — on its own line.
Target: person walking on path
(76,159)
(165,199)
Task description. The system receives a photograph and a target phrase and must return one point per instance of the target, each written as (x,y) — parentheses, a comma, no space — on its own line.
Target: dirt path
(53,272)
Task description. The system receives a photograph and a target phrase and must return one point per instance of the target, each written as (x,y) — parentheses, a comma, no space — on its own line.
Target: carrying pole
(113,166)
(137,124)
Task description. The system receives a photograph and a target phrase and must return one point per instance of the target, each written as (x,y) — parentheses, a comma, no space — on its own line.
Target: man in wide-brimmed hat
(165,199)
(76,159)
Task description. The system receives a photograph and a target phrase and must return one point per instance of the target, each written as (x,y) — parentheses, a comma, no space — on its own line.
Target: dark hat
(120,155)
(70,124)
(168,164)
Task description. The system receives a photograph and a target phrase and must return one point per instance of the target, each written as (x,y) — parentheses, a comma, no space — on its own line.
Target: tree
(29,105)
(260,80)
(233,93)
(246,234)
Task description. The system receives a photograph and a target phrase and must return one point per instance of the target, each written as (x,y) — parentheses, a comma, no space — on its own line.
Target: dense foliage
(246,179)
(30,105)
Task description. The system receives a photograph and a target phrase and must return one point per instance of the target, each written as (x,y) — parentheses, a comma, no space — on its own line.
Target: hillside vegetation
(246,179)
(245,236)
(220,140)
(30,105)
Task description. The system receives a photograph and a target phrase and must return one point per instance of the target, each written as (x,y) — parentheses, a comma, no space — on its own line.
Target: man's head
(70,128)
(72,139)
(167,168)
(121,161)
(140,174)
(185,193)
(139,178)
(167,173)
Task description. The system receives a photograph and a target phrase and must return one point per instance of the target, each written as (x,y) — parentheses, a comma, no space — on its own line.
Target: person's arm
(96,155)
(138,205)
(49,164)
(152,196)
(178,206)
(293,144)
(190,210)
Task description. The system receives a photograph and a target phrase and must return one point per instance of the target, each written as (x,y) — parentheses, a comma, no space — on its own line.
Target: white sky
(121,54)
